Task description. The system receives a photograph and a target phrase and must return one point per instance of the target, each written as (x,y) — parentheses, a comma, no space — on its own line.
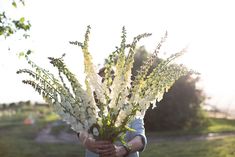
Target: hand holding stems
(112,150)
(104,148)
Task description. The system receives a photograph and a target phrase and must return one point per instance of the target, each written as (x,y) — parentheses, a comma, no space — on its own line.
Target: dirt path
(210,136)
(45,136)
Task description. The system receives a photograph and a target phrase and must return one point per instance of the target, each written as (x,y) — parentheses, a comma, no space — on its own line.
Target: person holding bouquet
(136,142)
(110,104)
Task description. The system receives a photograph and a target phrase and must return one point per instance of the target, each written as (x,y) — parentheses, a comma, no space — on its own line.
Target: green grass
(221,125)
(214,148)
(10,147)
(214,125)
(17,140)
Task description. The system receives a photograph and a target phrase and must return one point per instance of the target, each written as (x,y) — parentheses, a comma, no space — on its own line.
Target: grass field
(214,125)
(213,148)
(17,140)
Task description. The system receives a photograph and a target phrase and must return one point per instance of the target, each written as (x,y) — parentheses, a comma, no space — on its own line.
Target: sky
(205,27)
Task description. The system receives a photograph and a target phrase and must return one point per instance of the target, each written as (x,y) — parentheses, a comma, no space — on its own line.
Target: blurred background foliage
(10,25)
(181,107)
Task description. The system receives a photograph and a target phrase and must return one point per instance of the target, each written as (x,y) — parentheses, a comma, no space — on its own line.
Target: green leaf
(130,129)
(14,4)
(29,52)
(22,20)
(21,54)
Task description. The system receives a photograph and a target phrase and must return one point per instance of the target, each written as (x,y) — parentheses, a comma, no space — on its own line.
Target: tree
(9,26)
(180,107)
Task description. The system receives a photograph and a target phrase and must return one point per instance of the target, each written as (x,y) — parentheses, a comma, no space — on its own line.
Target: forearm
(136,144)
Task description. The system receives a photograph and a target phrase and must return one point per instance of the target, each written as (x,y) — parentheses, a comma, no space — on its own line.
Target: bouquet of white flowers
(107,104)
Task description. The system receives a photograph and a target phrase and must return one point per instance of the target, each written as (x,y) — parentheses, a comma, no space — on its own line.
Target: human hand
(99,147)
(105,148)
(112,150)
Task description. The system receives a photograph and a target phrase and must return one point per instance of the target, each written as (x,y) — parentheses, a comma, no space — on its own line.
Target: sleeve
(138,125)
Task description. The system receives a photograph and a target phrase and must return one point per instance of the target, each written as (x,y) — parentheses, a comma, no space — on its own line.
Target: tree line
(181,106)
